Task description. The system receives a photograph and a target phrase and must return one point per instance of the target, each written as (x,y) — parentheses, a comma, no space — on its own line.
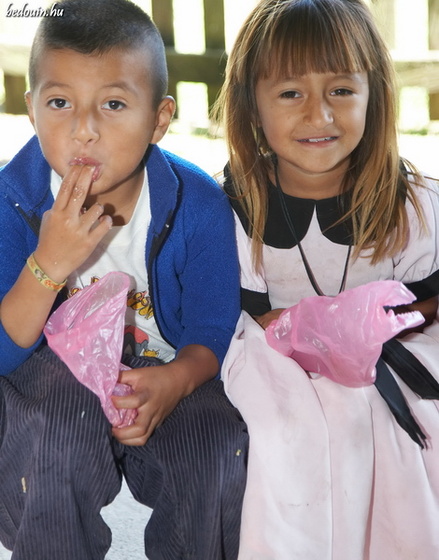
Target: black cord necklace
(306,264)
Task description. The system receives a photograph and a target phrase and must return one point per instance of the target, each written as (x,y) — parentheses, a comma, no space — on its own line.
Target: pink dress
(331,475)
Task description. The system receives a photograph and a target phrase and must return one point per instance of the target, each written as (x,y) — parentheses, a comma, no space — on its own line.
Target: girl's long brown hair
(295,37)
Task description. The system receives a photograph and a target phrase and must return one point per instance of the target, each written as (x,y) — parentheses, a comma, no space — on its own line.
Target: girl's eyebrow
(356,76)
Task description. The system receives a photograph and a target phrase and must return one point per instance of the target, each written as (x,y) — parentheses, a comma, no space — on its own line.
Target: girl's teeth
(318,139)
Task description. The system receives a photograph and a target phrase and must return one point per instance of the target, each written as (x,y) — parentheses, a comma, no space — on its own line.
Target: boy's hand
(155,396)
(158,390)
(69,234)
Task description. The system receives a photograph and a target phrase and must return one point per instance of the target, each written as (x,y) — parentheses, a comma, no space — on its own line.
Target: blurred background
(198,34)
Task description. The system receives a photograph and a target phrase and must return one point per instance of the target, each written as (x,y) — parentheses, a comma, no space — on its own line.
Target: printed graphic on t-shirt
(136,341)
(140,302)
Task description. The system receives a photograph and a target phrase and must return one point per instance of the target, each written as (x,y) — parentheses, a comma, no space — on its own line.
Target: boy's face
(98,110)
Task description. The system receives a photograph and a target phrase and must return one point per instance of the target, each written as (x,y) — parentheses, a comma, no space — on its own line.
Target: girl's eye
(114,105)
(342,91)
(59,103)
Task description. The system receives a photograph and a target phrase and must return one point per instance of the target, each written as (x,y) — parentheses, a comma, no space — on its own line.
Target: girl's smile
(313,123)
(318,141)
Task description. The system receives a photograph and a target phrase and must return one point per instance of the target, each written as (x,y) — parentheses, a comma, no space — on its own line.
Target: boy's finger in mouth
(88,162)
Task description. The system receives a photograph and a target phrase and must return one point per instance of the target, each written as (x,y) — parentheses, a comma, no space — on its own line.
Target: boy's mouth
(88,161)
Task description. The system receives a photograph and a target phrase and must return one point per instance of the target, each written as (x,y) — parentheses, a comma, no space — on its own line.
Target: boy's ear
(165,112)
(29,105)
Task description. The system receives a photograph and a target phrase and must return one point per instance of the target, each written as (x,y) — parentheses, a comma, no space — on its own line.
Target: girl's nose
(85,128)
(318,112)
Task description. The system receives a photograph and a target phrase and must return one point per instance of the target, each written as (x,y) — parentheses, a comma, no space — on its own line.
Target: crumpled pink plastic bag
(86,332)
(341,337)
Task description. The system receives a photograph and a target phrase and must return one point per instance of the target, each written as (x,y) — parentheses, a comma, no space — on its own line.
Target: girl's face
(313,123)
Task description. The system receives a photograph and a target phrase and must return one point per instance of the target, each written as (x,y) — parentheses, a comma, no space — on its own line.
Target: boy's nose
(84,128)
(318,113)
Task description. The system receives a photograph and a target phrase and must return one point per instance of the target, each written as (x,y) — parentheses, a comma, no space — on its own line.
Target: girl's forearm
(428,308)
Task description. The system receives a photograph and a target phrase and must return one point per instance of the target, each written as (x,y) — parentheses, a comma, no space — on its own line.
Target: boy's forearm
(194,365)
(25,309)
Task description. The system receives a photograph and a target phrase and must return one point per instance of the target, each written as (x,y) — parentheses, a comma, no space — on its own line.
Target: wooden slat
(15,88)
(418,74)
(214,24)
(434,106)
(433,24)
(207,68)
(162,14)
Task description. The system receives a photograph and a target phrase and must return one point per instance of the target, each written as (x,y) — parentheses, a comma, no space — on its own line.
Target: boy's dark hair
(97,26)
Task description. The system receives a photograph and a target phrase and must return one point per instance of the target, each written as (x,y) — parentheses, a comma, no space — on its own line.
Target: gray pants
(59,465)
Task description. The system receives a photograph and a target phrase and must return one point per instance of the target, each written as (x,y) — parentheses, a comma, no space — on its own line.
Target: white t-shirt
(123,249)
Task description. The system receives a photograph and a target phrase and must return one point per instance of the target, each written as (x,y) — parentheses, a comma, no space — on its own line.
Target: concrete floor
(127,519)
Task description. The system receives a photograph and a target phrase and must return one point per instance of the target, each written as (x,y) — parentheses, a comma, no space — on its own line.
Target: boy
(82,198)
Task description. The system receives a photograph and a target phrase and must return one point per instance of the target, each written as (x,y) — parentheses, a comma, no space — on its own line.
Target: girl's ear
(257,121)
(165,112)
(29,105)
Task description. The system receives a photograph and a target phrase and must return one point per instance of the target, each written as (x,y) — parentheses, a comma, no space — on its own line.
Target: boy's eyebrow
(120,85)
(52,84)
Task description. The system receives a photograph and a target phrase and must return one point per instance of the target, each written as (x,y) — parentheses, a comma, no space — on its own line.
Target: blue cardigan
(190,248)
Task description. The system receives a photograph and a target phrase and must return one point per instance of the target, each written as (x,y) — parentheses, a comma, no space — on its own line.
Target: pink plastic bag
(86,332)
(341,337)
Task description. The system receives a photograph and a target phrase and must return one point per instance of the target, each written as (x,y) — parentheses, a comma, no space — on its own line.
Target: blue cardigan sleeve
(15,247)
(24,191)
(210,280)
(195,275)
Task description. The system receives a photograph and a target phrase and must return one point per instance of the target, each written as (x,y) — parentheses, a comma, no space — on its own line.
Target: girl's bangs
(308,40)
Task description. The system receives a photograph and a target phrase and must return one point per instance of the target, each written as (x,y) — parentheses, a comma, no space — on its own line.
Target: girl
(324,203)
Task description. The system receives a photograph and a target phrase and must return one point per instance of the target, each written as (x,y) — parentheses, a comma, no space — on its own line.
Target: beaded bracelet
(42,277)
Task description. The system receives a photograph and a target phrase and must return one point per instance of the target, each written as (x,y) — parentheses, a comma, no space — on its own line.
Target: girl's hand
(69,234)
(428,308)
(265,319)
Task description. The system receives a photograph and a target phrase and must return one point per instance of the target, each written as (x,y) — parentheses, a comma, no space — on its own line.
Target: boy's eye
(59,103)
(114,105)
(291,94)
